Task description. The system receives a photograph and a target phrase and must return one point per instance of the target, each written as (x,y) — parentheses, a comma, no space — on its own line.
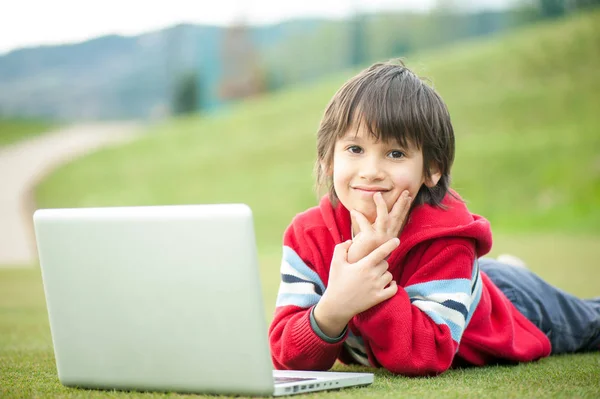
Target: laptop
(162,298)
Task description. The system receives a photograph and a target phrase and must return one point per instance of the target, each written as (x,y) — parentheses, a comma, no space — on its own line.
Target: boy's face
(363,166)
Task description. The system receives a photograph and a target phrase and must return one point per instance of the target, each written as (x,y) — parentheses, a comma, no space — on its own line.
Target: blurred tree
(334,45)
(273,79)
(356,36)
(185,95)
(303,57)
(447,22)
(389,35)
(552,8)
(181,69)
(557,8)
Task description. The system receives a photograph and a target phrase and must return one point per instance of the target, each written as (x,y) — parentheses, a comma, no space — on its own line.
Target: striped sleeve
(449,302)
(295,344)
(300,285)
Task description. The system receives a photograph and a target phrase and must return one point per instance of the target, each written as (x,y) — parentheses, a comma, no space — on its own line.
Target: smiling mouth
(371,189)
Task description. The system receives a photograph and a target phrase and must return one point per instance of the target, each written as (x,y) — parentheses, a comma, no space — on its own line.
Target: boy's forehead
(361,133)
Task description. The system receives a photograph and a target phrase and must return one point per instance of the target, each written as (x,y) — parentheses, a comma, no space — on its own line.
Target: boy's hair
(393,104)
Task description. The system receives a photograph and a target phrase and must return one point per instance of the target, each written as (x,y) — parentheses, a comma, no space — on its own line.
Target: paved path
(24,164)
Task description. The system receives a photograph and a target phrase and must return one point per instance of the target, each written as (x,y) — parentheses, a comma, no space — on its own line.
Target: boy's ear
(434,178)
(326,169)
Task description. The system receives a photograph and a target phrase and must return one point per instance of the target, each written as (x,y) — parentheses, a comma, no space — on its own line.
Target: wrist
(330,321)
(315,327)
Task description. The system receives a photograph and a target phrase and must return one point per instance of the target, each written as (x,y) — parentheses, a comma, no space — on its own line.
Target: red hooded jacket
(445,312)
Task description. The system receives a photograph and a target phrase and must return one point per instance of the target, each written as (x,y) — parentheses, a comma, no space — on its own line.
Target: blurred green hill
(117,77)
(525,108)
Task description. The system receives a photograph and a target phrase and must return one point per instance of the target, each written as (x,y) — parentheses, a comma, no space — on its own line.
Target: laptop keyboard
(285,380)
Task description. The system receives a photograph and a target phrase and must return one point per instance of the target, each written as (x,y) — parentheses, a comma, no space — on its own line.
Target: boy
(385,272)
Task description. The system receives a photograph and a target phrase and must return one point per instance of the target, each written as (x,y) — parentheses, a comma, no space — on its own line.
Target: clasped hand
(358,277)
(386,226)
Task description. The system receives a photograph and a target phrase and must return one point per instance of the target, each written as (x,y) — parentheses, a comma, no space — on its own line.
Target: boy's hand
(354,287)
(386,226)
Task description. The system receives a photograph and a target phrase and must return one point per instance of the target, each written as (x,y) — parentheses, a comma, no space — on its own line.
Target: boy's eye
(354,149)
(396,154)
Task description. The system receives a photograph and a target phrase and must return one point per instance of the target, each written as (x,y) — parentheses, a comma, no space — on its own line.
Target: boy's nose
(370,169)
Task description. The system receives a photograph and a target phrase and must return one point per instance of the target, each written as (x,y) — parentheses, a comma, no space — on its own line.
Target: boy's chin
(370,214)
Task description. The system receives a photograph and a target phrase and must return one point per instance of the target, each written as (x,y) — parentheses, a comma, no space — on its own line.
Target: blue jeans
(571,324)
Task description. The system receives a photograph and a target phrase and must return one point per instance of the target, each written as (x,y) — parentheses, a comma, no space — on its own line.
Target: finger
(390,291)
(381,252)
(382,212)
(386,278)
(340,252)
(361,220)
(381,268)
(401,207)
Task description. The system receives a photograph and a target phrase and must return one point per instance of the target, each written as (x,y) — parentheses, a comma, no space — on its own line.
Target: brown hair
(394,104)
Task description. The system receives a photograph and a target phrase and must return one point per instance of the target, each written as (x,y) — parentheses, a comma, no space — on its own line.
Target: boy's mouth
(370,190)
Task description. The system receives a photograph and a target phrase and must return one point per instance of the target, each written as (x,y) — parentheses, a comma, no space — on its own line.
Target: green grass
(28,368)
(525,114)
(15,130)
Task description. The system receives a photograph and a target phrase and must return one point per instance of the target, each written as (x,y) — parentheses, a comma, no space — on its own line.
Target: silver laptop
(162,298)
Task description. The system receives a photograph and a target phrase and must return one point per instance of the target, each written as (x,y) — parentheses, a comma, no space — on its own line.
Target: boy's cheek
(391,200)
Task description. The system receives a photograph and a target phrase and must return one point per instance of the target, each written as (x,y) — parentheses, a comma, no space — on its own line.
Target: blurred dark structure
(181,72)
(185,95)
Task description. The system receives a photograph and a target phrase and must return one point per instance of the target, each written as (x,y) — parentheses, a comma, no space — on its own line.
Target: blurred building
(241,74)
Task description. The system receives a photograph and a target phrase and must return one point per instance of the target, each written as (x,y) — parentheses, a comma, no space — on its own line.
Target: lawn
(525,110)
(15,130)
(28,369)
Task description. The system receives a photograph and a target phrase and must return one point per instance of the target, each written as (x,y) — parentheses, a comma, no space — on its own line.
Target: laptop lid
(155,298)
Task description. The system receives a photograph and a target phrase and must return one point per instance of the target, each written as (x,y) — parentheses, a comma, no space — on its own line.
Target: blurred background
(226,98)
(211,54)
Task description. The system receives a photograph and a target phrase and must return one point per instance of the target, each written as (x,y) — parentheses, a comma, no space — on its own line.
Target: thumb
(340,252)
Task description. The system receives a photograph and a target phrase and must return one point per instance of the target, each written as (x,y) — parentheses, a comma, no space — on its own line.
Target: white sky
(25,23)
